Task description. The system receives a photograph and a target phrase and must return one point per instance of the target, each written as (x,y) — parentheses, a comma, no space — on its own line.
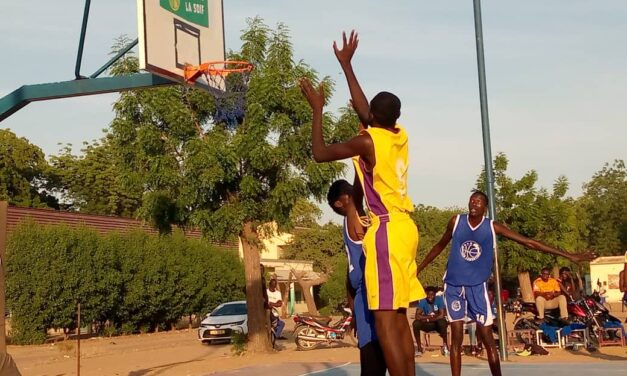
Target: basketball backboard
(175,33)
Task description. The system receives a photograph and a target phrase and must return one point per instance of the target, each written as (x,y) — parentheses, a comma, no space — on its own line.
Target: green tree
(305,213)
(604,205)
(333,292)
(24,173)
(323,245)
(549,217)
(92,182)
(227,180)
(431,223)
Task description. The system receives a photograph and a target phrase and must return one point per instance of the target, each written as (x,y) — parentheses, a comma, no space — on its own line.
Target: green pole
(292,299)
(81,41)
(489,173)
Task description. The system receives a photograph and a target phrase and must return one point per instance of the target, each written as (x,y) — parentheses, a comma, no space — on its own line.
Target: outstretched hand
(315,96)
(349,46)
(583,256)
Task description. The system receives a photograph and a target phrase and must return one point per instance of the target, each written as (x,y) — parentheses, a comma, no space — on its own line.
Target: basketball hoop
(230,78)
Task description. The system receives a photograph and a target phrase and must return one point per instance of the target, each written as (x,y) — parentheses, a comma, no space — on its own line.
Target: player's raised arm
(344,56)
(439,247)
(503,230)
(359,145)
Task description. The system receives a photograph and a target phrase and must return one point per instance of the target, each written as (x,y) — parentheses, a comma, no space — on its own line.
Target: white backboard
(173,33)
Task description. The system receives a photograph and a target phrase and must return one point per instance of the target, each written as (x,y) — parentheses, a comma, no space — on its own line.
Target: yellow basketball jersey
(385,187)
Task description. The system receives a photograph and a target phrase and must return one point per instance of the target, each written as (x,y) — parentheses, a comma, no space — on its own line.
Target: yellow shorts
(390,246)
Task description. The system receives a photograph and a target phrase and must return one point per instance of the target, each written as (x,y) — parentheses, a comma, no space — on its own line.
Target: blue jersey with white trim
(364,319)
(472,252)
(356,259)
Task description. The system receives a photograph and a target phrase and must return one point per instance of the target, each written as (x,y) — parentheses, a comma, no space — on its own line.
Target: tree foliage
(91,181)
(547,216)
(431,224)
(198,170)
(604,207)
(323,245)
(24,173)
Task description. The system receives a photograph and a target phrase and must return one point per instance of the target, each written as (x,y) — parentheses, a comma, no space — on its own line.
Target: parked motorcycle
(311,332)
(586,311)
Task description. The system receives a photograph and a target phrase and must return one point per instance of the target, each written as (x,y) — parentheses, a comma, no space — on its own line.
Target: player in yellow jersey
(380,155)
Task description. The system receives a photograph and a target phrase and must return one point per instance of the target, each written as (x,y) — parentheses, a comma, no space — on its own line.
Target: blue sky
(556,77)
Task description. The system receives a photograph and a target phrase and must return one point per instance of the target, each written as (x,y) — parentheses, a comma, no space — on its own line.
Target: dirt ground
(180,353)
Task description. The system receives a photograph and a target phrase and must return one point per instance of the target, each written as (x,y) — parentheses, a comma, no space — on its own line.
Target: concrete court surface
(614,368)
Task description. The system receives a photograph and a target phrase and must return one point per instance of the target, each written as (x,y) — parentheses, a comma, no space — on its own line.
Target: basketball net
(232,77)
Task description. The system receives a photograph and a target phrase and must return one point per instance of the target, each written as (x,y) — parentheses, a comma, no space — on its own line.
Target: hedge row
(129,281)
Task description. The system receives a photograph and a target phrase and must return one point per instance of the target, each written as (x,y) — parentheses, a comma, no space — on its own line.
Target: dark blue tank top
(472,253)
(356,264)
(356,259)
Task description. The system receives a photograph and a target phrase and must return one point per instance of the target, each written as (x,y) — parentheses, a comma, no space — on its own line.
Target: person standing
(340,198)
(468,270)
(381,156)
(275,302)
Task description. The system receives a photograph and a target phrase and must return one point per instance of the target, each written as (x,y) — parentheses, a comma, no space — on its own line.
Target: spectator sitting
(430,316)
(547,293)
(569,285)
(274,301)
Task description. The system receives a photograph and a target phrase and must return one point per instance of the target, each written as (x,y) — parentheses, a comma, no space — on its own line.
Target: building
(605,270)
(271,258)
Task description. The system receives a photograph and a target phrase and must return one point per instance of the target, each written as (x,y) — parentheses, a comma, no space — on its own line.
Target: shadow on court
(614,368)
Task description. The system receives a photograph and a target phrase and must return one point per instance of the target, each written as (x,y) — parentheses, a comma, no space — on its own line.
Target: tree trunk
(556,272)
(306,287)
(524,281)
(258,340)
(285,292)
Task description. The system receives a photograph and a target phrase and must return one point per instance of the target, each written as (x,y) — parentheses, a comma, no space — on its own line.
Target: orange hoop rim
(216,68)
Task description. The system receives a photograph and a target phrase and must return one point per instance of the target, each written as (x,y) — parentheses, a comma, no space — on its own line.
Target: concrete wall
(605,270)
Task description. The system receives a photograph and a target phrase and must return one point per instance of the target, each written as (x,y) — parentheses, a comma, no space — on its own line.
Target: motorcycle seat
(322,320)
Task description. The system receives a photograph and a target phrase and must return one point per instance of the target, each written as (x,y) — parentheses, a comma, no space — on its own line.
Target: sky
(556,77)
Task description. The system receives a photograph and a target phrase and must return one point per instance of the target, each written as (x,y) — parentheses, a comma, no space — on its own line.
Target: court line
(325,370)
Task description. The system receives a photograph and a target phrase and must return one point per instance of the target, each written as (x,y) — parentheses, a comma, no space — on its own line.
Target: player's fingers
(344,38)
(335,47)
(305,86)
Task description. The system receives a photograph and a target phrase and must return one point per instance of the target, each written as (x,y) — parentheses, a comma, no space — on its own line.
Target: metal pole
(4,213)
(78,342)
(117,56)
(81,41)
(487,155)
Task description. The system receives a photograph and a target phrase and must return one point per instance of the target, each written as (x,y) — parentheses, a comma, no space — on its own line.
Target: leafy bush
(238,343)
(132,281)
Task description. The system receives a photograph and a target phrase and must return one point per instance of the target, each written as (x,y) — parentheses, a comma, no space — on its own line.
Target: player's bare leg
(457,337)
(485,333)
(406,340)
(390,334)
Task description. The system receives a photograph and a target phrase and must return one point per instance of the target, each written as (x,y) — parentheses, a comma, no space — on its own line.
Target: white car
(223,321)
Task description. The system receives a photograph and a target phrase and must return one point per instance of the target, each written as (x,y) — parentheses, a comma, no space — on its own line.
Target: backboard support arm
(81,41)
(26,94)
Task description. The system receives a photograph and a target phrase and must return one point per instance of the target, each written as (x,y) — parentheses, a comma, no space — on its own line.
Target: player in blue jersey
(340,198)
(468,270)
